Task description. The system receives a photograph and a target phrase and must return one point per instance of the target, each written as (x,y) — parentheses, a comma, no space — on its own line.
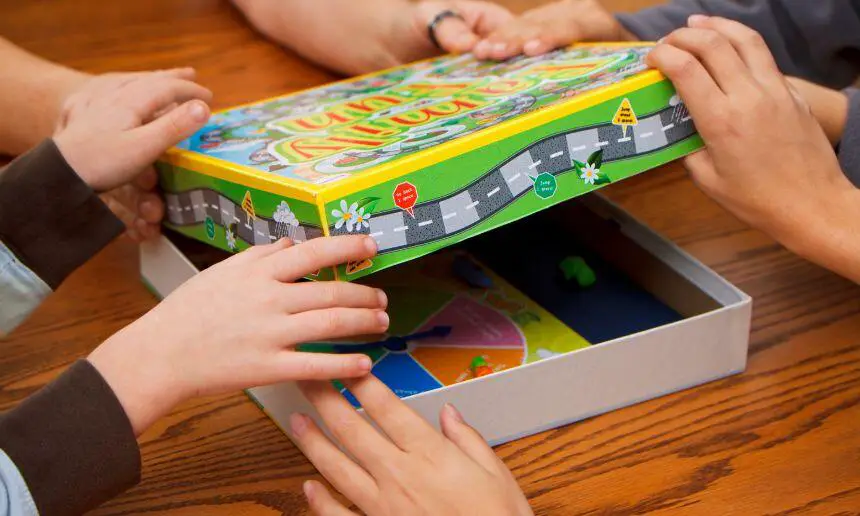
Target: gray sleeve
(816,40)
(15,497)
(849,148)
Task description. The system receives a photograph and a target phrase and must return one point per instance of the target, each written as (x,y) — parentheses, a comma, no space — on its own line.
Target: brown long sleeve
(49,217)
(72,443)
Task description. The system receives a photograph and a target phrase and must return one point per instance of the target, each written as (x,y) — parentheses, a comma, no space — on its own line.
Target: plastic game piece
(479,367)
(470,272)
(575,269)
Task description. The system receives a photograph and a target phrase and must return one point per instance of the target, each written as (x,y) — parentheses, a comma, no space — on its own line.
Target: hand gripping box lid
(426,155)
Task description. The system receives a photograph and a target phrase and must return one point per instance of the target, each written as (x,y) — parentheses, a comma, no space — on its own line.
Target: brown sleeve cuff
(72,443)
(49,217)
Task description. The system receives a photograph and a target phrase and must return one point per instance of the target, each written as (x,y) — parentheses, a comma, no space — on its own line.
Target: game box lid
(424,155)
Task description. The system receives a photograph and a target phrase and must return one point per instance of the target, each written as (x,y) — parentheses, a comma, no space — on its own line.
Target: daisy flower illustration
(589,173)
(347,214)
(231,239)
(362,220)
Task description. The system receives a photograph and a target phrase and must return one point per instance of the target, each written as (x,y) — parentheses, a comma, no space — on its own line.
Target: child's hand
(417,471)
(115,126)
(551,26)
(236,325)
(767,159)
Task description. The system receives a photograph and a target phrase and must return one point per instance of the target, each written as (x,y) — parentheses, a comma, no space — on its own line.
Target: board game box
(426,155)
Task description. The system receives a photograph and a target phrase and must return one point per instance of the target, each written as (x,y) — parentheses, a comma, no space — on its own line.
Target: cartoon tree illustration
(286,221)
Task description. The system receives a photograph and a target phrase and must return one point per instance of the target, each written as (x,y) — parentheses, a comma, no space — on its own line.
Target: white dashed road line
(556,154)
(425,223)
(376,234)
(472,205)
(449,215)
(622,140)
(493,192)
(401,228)
(535,164)
(646,135)
(601,144)
(668,127)
(577,149)
(514,177)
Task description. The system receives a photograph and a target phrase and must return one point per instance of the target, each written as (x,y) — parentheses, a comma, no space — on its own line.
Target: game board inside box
(504,299)
(427,155)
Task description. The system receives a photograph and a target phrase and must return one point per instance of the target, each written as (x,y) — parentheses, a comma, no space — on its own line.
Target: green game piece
(478,362)
(575,268)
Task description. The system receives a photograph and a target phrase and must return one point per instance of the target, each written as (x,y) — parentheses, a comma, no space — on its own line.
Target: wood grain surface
(782,438)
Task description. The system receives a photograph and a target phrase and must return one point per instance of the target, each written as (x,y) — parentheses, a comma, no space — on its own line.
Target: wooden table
(784,437)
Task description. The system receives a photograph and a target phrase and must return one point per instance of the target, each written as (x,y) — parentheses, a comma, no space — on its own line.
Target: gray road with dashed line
(193,206)
(442,217)
(461,210)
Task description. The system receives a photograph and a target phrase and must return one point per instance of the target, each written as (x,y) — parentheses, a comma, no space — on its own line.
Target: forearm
(31,94)
(830,237)
(347,36)
(830,107)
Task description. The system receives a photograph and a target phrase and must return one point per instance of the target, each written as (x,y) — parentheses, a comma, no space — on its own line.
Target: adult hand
(551,26)
(477,19)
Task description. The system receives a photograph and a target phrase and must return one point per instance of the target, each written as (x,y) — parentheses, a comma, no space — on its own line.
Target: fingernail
(147,209)
(298,424)
(365,363)
(532,46)
(383,299)
(454,413)
(199,111)
(370,244)
(482,46)
(499,48)
(140,225)
(661,40)
(383,319)
(308,489)
(696,19)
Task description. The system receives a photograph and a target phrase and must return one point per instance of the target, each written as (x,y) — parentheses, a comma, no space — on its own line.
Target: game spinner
(445,331)
(425,155)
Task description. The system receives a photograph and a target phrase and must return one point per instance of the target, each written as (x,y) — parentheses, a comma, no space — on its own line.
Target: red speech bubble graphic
(405,197)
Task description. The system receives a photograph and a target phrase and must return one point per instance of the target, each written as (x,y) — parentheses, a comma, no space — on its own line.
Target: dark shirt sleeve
(848,149)
(817,40)
(72,443)
(49,218)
